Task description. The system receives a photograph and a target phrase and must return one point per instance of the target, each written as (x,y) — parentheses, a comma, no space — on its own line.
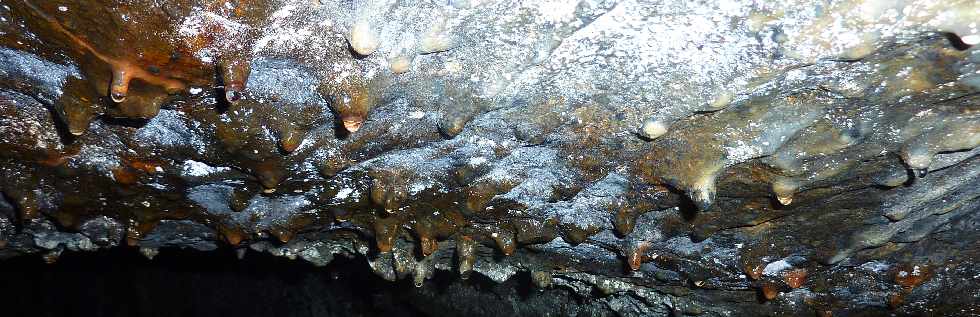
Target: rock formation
(632,157)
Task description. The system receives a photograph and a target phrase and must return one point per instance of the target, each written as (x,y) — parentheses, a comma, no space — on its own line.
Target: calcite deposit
(621,157)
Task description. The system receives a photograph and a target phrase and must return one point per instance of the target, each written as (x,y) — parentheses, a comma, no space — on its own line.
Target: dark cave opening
(121,282)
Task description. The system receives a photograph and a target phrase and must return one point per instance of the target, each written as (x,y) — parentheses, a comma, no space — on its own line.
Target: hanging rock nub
(505,240)
(232,234)
(424,229)
(26,202)
(388,190)
(138,94)
(541,279)
(478,195)
(795,278)
(386,232)
(625,220)
(917,158)
(401,63)
(119,87)
(702,196)
(452,123)
(142,102)
(465,255)
(784,188)
(234,69)
(459,106)
(768,290)
(436,39)
(352,100)
(362,37)
(423,271)
(240,198)
(282,233)
(77,105)
(533,231)
(575,234)
(290,137)
(635,254)
(269,173)
(652,128)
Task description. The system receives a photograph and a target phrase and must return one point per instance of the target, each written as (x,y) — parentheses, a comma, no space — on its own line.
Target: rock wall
(643,157)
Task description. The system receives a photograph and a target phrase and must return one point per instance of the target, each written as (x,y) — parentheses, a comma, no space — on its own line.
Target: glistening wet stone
(643,157)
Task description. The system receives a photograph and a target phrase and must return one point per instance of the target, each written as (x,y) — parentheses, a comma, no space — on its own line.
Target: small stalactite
(505,240)
(465,255)
(385,232)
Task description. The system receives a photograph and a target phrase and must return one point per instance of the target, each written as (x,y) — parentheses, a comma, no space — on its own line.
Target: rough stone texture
(634,157)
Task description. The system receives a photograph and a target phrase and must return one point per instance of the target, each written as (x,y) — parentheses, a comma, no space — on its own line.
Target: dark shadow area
(126,122)
(338,125)
(956,42)
(121,282)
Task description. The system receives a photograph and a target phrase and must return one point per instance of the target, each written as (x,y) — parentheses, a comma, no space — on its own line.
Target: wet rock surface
(632,157)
